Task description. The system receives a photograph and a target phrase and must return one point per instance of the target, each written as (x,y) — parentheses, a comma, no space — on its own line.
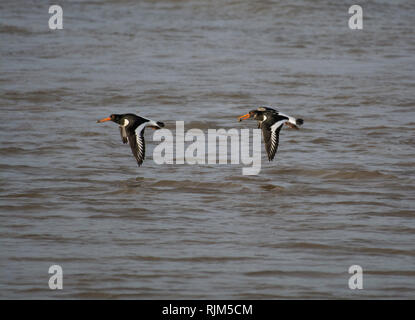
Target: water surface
(340,191)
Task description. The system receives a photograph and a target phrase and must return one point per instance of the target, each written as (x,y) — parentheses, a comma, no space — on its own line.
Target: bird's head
(114,117)
(255,114)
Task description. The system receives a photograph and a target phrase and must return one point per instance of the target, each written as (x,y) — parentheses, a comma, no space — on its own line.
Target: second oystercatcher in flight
(271,122)
(132,131)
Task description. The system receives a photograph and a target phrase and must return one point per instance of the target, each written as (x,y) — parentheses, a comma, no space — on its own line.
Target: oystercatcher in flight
(132,130)
(271,122)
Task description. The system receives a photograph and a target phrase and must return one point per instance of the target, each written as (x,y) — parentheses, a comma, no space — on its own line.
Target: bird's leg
(289,124)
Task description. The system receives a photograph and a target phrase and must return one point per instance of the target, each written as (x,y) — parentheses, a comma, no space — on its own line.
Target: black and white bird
(271,122)
(132,131)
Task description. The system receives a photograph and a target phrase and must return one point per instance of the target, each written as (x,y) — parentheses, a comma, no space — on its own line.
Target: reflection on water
(340,191)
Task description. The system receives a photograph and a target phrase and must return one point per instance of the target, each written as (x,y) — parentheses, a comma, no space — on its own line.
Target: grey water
(340,191)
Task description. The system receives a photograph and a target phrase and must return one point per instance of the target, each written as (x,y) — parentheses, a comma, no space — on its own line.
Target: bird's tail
(299,122)
(293,122)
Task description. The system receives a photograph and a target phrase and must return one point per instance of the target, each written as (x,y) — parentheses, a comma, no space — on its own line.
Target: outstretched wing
(271,135)
(123,133)
(137,145)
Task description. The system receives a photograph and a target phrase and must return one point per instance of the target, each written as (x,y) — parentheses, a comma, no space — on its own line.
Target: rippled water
(340,191)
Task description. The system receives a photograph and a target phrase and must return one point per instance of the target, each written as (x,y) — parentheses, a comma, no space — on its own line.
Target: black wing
(123,133)
(137,145)
(271,137)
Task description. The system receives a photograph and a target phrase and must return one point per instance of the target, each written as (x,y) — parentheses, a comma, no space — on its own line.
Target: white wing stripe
(140,128)
(290,119)
(274,136)
(276,125)
(140,151)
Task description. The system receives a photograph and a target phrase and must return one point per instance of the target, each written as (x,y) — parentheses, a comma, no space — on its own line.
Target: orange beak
(244,117)
(103,120)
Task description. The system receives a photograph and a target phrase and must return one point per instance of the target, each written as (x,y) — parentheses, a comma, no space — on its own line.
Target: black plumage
(270,121)
(132,130)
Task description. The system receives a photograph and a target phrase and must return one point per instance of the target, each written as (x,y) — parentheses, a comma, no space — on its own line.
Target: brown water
(340,191)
